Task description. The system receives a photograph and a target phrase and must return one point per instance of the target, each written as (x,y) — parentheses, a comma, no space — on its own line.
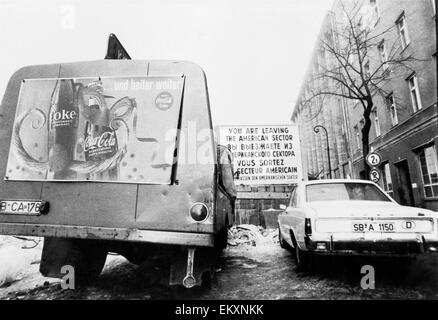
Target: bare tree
(355,64)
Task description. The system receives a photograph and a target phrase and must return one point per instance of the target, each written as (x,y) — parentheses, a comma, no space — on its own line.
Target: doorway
(404,188)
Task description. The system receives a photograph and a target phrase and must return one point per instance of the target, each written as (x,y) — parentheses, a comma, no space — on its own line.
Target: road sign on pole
(375,175)
(373,159)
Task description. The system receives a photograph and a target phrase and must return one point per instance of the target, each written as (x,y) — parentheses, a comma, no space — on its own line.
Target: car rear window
(344,191)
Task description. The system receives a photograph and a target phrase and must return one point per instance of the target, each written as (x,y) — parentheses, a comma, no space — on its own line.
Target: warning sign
(264,154)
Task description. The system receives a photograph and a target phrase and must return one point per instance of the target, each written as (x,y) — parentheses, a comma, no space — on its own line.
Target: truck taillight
(199,212)
(307,227)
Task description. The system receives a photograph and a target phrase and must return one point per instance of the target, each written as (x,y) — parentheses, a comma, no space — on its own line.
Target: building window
(376,122)
(387,181)
(429,170)
(357,135)
(382,53)
(403,30)
(392,109)
(415,93)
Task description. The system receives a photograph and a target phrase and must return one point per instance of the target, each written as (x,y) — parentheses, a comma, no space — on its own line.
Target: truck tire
(136,253)
(86,257)
(91,260)
(221,240)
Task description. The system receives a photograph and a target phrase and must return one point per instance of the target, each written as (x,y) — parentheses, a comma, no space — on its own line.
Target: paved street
(264,271)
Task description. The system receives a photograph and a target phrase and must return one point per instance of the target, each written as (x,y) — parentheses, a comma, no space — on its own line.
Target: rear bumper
(118,234)
(375,247)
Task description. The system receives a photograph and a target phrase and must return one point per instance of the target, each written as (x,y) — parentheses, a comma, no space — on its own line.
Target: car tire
(283,244)
(302,259)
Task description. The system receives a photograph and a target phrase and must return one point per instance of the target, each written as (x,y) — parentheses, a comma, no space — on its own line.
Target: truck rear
(115,155)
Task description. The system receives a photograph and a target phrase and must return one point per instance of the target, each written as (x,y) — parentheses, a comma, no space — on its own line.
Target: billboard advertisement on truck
(95,129)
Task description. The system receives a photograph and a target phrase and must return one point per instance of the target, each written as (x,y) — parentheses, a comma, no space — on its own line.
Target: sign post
(374,159)
(375,175)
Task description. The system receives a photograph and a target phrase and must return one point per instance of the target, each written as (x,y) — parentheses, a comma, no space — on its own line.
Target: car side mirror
(283,207)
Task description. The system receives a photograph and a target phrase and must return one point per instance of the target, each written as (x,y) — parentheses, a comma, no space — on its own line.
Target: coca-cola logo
(164,101)
(64,115)
(105,140)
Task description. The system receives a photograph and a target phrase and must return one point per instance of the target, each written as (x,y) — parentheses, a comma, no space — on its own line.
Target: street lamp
(316,130)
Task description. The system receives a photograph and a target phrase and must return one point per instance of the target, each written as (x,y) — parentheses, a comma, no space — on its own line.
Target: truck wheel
(88,260)
(221,240)
(86,257)
(136,253)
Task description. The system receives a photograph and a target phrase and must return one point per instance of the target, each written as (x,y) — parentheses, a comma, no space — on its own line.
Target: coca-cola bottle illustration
(100,141)
(63,123)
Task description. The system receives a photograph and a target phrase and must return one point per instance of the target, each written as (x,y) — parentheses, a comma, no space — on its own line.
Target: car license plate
(23,207)
(373,227)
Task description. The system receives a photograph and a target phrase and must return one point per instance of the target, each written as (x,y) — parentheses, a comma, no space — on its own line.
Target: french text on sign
(264,154)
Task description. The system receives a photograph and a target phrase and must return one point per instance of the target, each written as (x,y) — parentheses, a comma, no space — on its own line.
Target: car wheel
(281,240)
(302,259)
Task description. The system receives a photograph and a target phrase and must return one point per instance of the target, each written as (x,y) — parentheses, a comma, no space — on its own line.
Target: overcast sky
(254,52)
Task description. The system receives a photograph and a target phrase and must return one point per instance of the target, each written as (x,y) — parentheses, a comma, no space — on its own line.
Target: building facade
(404,129)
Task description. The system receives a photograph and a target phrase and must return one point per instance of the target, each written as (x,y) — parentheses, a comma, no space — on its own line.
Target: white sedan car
(353,217)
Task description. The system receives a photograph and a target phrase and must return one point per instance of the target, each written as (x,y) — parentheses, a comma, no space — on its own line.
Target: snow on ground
(252,267)
(19,258)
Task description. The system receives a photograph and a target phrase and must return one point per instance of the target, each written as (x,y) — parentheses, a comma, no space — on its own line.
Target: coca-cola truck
(115,156)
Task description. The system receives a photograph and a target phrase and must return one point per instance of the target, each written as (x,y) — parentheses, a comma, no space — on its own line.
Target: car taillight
(307,227)
(199,212)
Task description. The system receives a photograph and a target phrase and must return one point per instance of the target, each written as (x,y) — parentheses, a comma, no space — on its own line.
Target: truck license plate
(373,227)
(23,207)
